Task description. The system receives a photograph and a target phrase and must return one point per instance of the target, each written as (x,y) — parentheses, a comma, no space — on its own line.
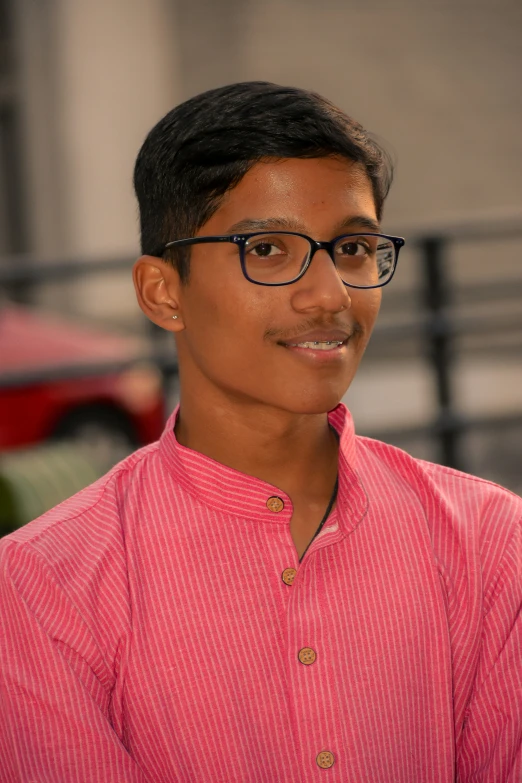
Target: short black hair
(205,146)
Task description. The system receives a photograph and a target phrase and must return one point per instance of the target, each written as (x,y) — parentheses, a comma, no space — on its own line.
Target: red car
(56,381)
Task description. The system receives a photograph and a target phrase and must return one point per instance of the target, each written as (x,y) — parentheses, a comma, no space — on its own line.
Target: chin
(313,404)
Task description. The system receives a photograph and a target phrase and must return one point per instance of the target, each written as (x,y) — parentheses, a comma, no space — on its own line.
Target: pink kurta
(152,628)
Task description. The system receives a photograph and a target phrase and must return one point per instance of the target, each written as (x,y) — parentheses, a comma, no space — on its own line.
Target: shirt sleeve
(54,711)
(490,750)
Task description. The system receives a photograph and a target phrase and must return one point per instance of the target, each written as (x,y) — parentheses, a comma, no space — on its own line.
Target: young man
(262,595)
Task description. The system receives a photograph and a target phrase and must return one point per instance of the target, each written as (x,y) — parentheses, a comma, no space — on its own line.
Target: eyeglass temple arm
(193,241)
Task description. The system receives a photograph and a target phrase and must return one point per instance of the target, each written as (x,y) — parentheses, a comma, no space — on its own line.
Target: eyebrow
(362,221)
(267,224)
(287,224)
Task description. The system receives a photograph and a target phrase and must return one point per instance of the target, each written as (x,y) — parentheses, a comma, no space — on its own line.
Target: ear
(157,286)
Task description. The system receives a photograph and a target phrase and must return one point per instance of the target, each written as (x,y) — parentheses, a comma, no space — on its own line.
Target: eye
(353,247)
(264,249)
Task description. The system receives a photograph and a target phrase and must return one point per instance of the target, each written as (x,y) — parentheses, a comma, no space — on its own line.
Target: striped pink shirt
(152,630)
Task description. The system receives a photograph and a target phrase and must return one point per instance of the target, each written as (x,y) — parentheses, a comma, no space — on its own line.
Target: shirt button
(307,656)
(325,759)
(275,504)
(288,575)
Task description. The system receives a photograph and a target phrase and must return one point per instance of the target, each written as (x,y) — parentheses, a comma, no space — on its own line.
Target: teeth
(325,345)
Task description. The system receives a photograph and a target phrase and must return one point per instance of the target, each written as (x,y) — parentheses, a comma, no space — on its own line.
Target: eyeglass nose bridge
(316,245)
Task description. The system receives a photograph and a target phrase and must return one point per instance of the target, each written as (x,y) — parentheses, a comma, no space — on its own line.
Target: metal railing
(441,327)
(435,321)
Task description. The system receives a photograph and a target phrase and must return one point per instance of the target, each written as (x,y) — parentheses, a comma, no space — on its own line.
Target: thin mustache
(309,326)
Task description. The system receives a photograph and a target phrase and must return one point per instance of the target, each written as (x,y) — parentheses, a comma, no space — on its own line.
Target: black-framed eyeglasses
(282,257)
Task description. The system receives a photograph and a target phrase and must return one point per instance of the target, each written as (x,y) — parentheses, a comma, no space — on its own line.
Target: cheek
(211,298)
(365,307)
(224,320)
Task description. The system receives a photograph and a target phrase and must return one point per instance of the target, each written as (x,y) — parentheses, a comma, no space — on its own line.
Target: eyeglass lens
(364,260)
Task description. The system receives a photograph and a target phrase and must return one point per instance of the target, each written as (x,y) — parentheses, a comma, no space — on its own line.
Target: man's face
(239,338)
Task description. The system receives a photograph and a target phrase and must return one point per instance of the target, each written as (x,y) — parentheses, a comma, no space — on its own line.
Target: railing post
(439,342)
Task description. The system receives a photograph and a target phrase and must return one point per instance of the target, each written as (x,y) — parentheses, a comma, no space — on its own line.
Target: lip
(319,357)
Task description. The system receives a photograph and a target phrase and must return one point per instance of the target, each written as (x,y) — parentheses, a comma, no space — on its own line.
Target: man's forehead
(294,193)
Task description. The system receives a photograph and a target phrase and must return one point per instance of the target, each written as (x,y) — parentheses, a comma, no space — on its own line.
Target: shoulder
(462,512)
(437,483)
(83,531)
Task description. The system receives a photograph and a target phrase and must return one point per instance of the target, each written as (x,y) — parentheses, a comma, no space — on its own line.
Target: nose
(320,288)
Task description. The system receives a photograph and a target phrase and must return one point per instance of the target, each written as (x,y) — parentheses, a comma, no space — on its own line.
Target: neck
(296,452)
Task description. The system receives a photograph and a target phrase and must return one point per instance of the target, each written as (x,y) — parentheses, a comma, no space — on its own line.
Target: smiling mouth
(316,345)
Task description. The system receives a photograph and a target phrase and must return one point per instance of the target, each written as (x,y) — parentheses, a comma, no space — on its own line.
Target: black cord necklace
(326,515)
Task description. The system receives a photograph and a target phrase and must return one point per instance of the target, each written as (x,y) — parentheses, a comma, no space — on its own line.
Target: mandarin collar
(237,494)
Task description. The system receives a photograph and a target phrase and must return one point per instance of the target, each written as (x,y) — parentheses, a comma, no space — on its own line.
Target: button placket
(308,672)
(306,697)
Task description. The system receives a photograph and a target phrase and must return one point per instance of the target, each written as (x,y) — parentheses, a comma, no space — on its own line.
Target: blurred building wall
(95,76)
(439,81)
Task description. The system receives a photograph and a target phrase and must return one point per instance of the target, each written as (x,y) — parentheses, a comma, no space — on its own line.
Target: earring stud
(174,316)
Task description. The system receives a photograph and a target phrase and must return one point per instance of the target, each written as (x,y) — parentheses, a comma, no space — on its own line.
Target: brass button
(288,575)
(325,759)
(307,656)
(275,504)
